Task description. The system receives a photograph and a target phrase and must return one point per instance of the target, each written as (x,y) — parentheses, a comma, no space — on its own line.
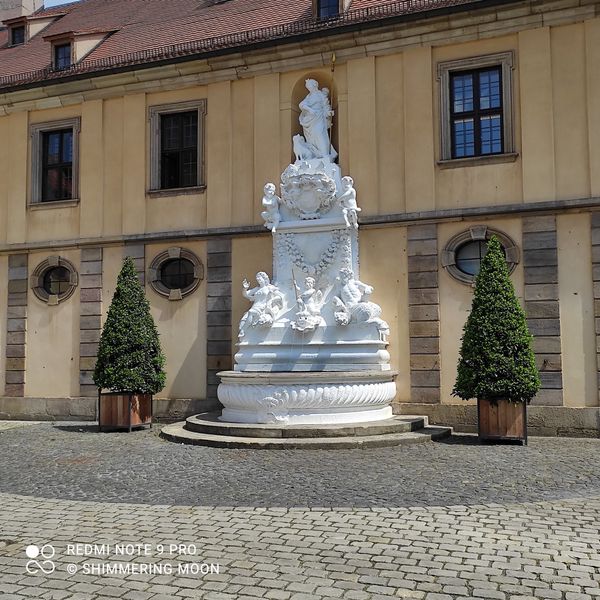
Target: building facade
(457,122)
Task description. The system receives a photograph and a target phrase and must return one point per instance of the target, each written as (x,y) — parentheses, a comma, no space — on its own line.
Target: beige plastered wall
(578,338)
(182,329)
(383,264)
(181,324)
(576,301)
(456,299)
(52,340)
(3,317)
(248,256)
(482,185)
(387,132)
(112,261)
(386,129)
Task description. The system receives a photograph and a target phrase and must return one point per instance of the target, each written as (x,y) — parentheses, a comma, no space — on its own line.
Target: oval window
(57,281)
(177,274)
(468,256)
(463,253)
(54,280)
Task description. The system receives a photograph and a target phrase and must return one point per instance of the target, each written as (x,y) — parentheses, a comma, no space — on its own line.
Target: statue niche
(313,115)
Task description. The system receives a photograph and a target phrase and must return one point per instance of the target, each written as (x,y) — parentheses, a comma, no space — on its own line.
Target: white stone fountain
(312,347)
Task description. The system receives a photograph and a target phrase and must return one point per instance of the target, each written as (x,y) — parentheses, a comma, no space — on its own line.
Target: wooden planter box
(124,411)
(502,420)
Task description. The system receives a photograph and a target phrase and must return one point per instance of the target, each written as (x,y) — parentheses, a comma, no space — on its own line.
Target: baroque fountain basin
(306,398)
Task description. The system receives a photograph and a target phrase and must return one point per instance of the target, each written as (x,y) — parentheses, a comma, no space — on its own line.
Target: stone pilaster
(424,313)
(90,317)
(138,253)
(16,336)
(596,277)
(218,313)
(540,261)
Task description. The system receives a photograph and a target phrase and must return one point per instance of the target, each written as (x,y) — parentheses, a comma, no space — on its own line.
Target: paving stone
(360,524)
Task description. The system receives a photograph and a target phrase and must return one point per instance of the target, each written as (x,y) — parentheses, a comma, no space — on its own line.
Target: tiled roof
(144,31)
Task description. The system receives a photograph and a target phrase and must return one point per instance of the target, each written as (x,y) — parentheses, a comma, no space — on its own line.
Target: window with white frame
(55,161)
(476,107)
(177,146)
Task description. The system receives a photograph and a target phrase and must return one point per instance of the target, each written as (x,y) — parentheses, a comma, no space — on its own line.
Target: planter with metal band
(501,419)
(124,411)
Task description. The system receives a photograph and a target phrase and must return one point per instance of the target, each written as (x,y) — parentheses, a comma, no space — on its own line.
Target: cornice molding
(518,209)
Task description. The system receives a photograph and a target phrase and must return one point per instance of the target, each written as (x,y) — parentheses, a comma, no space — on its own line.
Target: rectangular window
(476,108)
(328,8)
(57,165)
(476,112)
(62,56)
(176,146)
(55,161)
(179,150)
(17,35)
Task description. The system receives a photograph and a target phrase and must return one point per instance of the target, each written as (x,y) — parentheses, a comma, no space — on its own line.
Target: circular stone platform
(307,398)
(208,429)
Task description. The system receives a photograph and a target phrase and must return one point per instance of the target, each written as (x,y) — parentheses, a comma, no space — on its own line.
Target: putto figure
(348,203)
(270,203)
(316,120)
(266,300)
(309,303)
(352,305)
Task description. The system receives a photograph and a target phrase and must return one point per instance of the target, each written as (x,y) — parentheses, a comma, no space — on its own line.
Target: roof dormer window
(328,8)
(17,30)
(17,35)
(63,55)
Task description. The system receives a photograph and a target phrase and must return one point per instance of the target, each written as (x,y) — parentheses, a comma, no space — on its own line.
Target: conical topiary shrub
(130,359)
(496,358)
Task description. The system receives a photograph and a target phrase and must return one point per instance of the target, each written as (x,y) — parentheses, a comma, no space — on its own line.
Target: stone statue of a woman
(316,119)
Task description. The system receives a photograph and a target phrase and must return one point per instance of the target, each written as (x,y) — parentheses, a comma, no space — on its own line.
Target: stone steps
(206,430)
(210,423)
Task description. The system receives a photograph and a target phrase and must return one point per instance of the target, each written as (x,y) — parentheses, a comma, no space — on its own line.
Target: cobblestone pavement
(74,462)
(539,539)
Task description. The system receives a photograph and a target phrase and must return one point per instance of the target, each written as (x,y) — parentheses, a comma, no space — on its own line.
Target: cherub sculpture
(352,305)
(309,302)
(348,203)
(270,203)
(267,302)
